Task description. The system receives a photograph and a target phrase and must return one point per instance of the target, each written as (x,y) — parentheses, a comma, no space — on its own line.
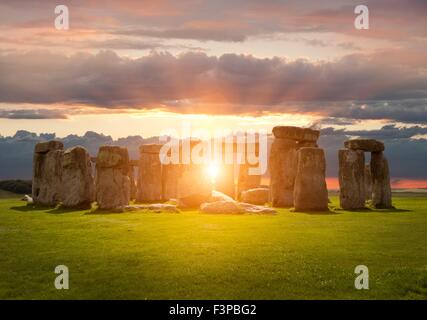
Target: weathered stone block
(368,182)
(257,196)
(351,179)
(150,174)
(77,181)
(310,191)
(296,133)
(224,182)
(150,148)
(112,177)
(245,180)
(283,168)
(46,146)
(369,145)
(170,176)
(47,173)
(194,185)
(381,189)
(112,157)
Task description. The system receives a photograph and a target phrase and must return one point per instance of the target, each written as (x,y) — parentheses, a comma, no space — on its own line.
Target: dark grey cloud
(387,132)
(406,155)
(354,87)
(404,110)
(390,132)
(32,114)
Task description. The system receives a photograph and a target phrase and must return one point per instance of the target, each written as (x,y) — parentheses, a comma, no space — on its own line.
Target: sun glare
(213,171)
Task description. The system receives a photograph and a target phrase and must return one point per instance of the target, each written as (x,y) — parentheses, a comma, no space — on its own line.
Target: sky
(138,67)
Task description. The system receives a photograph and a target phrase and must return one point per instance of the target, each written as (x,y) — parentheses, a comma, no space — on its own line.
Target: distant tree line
(16,186)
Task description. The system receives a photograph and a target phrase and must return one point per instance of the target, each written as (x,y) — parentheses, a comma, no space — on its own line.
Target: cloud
(215,33)
(32,114)
(406,155)
(353,87)
(223,20)
(387,132)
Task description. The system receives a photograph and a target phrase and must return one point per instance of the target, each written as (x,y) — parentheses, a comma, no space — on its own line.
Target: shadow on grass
(97,211)
(317,213)
(393,210)
(52,210)
(374,210)
(30,207)
(64,210)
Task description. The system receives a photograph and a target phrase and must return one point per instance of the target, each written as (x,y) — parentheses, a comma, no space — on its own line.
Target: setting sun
(213,171)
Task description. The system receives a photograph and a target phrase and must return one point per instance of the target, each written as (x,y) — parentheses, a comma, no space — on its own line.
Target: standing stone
(307,144)
(368,182)
(381,189)
(247,181)
(170,176)
(225,180)
(133,186)
(112,177)
(194,183)
(150,174)
(351,179)
(283,168)
(310,192)
(77,181)
(47,173)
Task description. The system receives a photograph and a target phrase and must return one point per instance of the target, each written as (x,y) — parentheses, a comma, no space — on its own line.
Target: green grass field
(191,255)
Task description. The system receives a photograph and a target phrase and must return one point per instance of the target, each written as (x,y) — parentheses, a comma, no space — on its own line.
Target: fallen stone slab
(251,208)
(368,145)
(219,196)
(257,196)
(230,207)
(193,201)
(234,207)
(155,207)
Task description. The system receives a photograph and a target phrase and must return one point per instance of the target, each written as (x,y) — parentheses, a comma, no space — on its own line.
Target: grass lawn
(191,255)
